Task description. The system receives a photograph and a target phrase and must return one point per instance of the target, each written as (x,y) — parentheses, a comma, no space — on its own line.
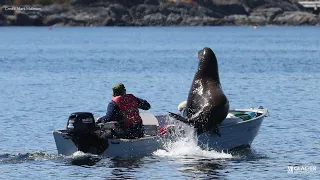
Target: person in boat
(182,107)
(124,109)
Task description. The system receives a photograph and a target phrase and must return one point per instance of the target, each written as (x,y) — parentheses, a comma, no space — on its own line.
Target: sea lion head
(208,65)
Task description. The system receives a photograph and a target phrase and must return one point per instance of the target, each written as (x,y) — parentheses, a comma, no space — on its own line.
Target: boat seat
(150,124)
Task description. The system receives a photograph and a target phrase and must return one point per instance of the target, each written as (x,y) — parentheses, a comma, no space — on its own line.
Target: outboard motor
(84,133)
(81,122)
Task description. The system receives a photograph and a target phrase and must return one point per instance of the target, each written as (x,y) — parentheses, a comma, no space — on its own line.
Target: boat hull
(117,147)
(233,134)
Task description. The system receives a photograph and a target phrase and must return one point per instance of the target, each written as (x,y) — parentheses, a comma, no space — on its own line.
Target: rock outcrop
(158,13)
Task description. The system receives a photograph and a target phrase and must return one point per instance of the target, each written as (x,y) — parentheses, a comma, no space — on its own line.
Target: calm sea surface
(47,74)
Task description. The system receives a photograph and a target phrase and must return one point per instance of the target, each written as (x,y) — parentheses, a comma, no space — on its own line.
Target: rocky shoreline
(157,13)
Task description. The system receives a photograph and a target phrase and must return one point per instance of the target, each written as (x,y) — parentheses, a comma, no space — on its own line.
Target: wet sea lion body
(207,105)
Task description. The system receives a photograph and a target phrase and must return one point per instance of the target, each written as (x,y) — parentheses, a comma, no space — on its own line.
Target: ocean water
(47,74)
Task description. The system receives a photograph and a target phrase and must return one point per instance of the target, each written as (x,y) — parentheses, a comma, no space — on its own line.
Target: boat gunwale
(147,137)
(263,113)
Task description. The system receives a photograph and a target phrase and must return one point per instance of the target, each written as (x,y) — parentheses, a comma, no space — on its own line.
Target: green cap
(118,89)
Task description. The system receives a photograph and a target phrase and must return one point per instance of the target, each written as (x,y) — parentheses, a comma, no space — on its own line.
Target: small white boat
(235,132)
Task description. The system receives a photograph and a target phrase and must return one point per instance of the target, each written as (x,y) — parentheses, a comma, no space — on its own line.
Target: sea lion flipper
(178,117)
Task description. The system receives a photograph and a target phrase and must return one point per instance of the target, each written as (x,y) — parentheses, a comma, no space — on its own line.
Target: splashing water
(183,142)
(25,157)
(81,158)
(78,154)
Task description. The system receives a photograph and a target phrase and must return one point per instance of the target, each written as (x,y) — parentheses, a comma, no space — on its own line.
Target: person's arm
(143,104)
(111,115)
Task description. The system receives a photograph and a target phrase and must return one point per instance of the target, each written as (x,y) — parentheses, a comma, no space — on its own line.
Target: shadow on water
(126,162)
(116,167)
(83,159)
(204,168)
(207,168)
(246,154)
(86,159)
(124,167)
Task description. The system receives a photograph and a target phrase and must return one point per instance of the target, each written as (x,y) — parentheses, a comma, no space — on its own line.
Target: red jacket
(128,105)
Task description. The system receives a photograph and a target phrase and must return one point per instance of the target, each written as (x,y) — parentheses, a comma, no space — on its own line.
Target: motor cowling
(81,122)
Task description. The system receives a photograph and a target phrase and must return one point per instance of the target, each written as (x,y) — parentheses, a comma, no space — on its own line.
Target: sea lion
(207,105)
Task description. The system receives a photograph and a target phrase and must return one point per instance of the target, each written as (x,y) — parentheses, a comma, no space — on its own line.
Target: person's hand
(98,121)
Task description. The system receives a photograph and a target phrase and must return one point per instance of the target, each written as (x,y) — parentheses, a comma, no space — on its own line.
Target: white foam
(182,148)
(186,145)
(80,154)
